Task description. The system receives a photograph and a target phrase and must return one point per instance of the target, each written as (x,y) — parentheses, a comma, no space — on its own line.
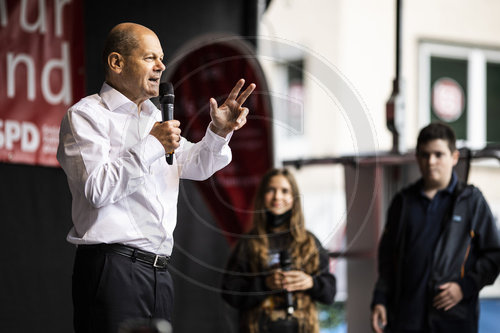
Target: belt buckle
(161,264)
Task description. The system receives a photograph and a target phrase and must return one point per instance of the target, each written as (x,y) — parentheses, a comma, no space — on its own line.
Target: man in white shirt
(112,148)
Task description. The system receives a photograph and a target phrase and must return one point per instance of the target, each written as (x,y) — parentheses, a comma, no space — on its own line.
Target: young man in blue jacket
(440,246)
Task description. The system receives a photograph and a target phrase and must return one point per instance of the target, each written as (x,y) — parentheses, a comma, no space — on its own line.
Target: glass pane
(492,103)
(449,93)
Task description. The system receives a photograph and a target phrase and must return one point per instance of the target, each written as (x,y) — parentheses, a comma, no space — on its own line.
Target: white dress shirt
(122,187)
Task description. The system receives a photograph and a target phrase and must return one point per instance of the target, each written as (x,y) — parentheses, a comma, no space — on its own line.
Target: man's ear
(455,155)
(115,62)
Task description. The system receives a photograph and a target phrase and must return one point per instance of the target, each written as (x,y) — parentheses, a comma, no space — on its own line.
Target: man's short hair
(122,41)
(436,131)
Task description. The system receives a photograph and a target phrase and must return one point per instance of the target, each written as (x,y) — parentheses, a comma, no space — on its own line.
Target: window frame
(477,58)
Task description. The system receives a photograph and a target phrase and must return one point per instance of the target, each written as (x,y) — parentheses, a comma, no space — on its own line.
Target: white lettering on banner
(40,24)
(3,13)
(38,63)
(64,95)
(12,133)
(50,139)
(12,62)
(27,133)
(58,17)
(30,139)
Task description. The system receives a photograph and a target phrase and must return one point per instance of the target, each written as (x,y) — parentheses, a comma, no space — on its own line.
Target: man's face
(436,163)
(142,70)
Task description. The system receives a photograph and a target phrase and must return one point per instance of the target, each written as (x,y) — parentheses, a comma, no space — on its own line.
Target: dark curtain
(35,278)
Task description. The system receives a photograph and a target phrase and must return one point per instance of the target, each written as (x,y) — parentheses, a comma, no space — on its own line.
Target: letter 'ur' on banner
(41,75)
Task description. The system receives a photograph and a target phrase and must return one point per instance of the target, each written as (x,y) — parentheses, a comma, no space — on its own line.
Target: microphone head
(285,260)
(166,88)
(166,93)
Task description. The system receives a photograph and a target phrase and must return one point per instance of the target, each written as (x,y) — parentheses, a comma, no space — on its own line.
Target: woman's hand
(297,280)
(274,280)
(289,280)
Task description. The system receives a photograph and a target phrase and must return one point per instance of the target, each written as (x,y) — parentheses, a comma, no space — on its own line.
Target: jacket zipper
(462,269)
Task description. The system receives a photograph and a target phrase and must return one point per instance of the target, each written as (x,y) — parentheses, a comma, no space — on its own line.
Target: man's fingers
(243,115)
(379,318)
(240,125)
(236,90)
(170,123)
(443,301)
(383,318)
(245,94)
(168,133)
(439,300)
(375,324)
(445,305)
(167,123)
(449,307)
(213,104)
(439,304)
(448,297)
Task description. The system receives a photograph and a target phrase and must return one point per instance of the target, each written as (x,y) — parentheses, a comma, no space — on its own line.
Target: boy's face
(436,163)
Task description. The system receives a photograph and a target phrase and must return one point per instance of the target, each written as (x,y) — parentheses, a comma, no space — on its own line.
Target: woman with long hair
(278,270)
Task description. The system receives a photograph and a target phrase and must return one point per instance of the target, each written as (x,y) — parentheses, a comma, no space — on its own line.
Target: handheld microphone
(167,107)
(286,265)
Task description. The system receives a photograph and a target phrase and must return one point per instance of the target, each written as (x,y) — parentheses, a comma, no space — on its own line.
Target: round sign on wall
(448,99)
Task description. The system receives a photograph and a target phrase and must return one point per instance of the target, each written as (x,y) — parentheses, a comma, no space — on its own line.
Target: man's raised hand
(230,116)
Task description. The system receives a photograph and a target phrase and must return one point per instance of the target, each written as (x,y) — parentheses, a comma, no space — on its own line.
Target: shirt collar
(449,189)
(117,102)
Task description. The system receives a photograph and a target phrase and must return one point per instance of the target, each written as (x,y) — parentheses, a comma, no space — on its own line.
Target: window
(460,85)
(493,102)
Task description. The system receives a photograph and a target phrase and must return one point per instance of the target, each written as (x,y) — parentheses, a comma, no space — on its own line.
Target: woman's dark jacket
(245,289)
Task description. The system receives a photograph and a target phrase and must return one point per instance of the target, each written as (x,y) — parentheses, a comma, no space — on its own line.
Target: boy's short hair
(436,131)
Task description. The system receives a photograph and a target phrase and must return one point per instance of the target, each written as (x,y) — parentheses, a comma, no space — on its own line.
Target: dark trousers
(444,326)
(109,288)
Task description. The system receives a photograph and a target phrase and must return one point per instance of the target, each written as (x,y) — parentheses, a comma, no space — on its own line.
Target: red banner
(210,67)
(41,75)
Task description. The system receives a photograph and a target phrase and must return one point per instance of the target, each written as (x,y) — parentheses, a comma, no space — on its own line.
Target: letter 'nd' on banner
(41,75)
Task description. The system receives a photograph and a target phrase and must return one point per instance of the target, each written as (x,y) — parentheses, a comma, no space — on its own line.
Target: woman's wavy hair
(303,247)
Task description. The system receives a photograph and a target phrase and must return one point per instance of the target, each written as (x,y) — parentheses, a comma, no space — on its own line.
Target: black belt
(150,258)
